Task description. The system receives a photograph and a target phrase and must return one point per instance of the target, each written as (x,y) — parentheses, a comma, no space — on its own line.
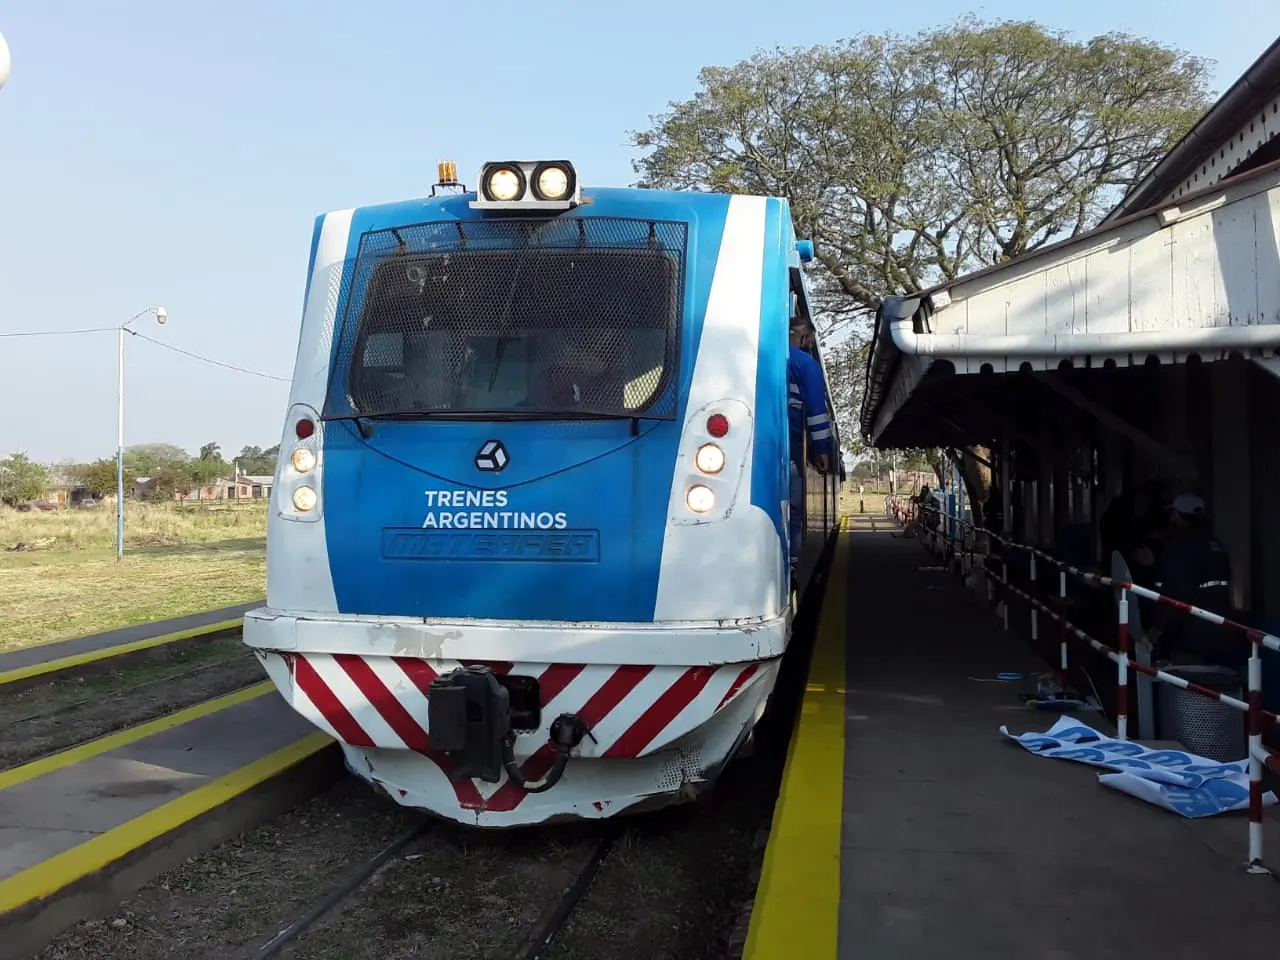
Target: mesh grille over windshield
(564,316)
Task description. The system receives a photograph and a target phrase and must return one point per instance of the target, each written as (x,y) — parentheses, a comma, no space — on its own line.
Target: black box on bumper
(469,718)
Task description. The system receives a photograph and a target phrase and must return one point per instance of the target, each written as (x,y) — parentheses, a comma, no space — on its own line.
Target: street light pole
(120,448)
(161,316)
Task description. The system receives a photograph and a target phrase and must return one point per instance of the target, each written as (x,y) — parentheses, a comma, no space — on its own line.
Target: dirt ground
(53,716)
(668,890)
(452,893)
(232,899)
(672,886)
(455,894)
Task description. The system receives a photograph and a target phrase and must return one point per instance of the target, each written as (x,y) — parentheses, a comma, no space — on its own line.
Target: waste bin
(1202,725)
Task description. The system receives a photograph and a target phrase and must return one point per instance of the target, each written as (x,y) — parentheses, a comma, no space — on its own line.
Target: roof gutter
(1223,118)
(1251,337)
(881,361)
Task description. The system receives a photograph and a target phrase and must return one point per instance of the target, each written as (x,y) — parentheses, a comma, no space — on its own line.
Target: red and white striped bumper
(656,729)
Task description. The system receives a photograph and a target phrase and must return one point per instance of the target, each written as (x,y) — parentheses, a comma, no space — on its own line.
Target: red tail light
(304,428)
(717,425)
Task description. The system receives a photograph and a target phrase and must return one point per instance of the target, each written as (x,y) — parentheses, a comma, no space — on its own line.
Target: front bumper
(668,643)
(665,705)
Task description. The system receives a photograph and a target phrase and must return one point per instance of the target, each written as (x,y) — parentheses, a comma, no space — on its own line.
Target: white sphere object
(4,60)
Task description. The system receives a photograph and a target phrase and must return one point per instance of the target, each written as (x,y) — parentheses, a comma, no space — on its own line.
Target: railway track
(557,914)
(352,883)
(533,946)
(66,713)
(133,646)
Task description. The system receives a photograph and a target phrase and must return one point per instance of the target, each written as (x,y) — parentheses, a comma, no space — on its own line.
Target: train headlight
(527,185)
(304,498)
(700,499)
(504,184)
(303,460)
(552,182)
(709,458)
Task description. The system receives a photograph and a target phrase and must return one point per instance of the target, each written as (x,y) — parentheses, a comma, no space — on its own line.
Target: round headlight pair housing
(506,182)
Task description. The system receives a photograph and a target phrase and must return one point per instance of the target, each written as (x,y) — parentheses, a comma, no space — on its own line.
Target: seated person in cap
(1194,568)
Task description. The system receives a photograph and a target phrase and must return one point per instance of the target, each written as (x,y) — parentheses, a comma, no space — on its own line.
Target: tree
(21,480)
(206,470)
(99,477)
(255,460)
(845,362)
(168,480)
(211,451)
(909,161)
(144,459)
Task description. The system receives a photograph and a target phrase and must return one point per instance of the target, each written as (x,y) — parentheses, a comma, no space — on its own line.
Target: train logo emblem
(492,457)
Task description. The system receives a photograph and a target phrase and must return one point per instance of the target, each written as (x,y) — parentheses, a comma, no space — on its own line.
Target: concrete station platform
(908,827)
(82,828)
(32,662)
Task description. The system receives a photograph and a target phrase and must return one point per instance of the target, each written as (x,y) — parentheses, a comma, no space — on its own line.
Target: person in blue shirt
(806,410)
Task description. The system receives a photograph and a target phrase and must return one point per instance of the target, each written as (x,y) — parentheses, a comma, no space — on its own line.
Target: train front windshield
(513,319)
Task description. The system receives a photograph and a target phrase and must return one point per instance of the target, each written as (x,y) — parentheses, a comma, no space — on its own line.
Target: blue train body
(604,539)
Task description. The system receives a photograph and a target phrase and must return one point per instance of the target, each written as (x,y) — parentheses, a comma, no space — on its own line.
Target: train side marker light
(700,499)
(303,460)
(709,458)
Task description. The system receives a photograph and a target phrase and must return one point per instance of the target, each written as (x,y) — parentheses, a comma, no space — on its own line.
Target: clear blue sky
(155,153)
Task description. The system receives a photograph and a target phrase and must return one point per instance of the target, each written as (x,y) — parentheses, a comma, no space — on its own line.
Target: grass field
(850,501)
(66,582)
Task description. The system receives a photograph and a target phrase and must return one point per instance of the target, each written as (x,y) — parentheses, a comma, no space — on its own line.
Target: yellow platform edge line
(80,659)
(797,905)
(69,866)
(93,748)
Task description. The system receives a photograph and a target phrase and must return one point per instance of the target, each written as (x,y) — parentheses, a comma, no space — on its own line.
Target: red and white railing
(939,539)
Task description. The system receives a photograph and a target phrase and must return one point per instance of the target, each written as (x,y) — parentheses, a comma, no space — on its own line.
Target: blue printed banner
(1182,782)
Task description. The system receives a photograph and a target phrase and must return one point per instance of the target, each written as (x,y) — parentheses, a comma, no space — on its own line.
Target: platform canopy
(1196,277)
(1238,133)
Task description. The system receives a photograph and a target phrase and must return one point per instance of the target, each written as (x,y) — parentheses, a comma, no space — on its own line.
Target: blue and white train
(527,556)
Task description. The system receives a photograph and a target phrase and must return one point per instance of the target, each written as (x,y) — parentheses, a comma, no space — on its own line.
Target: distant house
(249,486)
(64,490)
(240,486)
(205,491)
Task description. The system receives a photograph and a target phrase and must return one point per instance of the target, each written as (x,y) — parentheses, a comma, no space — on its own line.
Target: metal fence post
(1063,665)
(1035,611)
(1255,758)
(1005,593)
(1122,668)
